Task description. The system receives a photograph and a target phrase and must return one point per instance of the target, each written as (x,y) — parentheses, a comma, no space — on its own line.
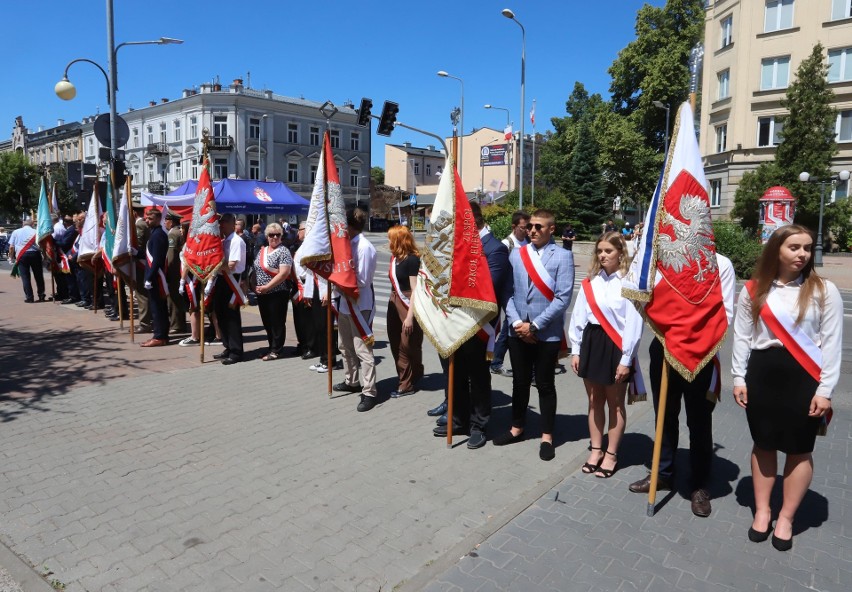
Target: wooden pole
(692,100)
(329,334)
(52,284)
(130,301)
(119,296)
(451,374)
(658,438)
(201,323)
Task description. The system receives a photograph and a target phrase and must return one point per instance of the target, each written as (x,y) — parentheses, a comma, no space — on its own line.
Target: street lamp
(805,177)
(508,164)
(443,74)
(661,105)
(511,16)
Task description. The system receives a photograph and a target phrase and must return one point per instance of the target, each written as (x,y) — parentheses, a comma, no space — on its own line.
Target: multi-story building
(752,51)
(55,145)
(252,135)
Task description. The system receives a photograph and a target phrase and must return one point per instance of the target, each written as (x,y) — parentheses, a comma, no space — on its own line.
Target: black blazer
(498,264)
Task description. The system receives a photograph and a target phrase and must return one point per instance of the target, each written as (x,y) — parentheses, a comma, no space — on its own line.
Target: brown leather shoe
(155,343)
(644,485)
(701,503)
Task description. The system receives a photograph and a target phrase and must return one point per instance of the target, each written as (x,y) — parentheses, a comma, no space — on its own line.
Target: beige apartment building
(752,49)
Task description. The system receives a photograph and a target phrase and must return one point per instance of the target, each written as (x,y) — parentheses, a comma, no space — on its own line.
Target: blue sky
(382,49)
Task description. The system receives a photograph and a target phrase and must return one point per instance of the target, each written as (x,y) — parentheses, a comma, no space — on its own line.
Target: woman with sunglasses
(272,268)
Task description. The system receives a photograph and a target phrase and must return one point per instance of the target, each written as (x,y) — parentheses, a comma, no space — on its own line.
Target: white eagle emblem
(692,240)
(337,211)
(201,223)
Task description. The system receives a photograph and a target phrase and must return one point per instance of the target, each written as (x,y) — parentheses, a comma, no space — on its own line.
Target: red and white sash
(299,295)
(24,249)
(264,262)
(238,298)
(395,283)
(541,279)
(794,339)
(488,334)
(609,323)
(161,275)
(364,325)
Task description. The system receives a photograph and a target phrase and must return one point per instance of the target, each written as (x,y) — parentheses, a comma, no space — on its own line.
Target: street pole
(113,150)
(511,16)
(818,246)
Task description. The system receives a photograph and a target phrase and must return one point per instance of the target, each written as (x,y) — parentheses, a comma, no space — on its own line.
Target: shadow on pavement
(812,512)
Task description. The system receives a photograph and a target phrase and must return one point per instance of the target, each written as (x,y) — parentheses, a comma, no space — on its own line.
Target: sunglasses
(274,235)
(536,227)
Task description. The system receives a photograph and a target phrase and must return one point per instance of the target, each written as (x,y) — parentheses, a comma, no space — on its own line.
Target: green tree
(19,180)
(68,200)
(377,174)
(585,182)
(808,144)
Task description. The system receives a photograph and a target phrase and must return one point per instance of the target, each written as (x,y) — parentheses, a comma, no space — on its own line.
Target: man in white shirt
(226,289)
(23,249)
(352,345)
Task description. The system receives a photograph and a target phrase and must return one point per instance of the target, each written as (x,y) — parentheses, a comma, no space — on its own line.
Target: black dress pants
(273,313)
(159,313)
(303,322)
(30,265)
(471,385)
(540,356)
(230,320)
(699,418)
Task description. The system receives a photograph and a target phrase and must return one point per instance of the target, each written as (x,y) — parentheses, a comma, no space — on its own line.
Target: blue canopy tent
(247,196)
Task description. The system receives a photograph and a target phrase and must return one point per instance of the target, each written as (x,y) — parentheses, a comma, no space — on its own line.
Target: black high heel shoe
(755,536)
(782,544)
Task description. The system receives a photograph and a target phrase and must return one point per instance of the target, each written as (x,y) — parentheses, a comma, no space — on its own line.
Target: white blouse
(823,325)
(607,290)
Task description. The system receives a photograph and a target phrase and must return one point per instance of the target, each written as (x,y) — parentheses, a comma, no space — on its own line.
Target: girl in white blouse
(605,330)
(786,363)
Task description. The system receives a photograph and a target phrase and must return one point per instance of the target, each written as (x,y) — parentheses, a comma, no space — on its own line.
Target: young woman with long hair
(404,334)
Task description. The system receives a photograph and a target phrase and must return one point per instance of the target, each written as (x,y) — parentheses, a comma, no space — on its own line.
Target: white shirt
(512,241)
(235,248)
(58,230)
(364,261)
(607,290)
(728,279)
(20,237)
(824,325)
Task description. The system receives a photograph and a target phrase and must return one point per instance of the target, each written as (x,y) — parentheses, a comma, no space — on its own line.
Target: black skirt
(779,398)
(599,356)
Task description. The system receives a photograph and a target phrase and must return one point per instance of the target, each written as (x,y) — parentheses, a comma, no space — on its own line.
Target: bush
(739,245)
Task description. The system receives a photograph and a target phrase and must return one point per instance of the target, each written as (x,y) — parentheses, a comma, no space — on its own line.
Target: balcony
(158,188)
(158,149)
(220,143)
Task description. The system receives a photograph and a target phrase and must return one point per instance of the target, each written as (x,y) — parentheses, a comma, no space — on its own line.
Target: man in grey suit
(543,282)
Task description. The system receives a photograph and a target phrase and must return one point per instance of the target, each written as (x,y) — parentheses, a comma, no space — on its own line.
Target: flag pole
(95,287)
(329,334)
(119,296)
(658,438)
(201,323)
(450,379)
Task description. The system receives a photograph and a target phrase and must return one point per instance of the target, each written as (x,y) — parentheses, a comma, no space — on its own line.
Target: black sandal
(607,473)
(588,468)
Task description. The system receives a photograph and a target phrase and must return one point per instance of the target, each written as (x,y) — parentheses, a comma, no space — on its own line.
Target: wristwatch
(533,329)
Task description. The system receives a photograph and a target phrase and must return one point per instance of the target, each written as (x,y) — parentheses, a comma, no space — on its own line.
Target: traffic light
(389,111)
(120,173)
(364,112)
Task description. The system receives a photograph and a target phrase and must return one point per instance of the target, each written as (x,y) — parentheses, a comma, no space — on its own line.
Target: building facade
(252,135)
(46,146)
(752,51)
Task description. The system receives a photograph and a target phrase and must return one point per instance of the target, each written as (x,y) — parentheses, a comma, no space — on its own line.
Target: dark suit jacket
(498,264)
(66,241)
(158,246)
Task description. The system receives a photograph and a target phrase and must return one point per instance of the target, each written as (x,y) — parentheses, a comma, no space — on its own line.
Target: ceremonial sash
(161,275)
(364,326)
(395,283)
(794,339)
(488,334)
(238,298)
(24,249)
(264,262)
(545,284)
(608,321)
(107,262)
(62,262)
(300,288)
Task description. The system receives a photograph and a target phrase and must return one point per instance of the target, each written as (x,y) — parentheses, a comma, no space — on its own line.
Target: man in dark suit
(543,282)
(155,278)
(66,243)
(472,376)
(142,234)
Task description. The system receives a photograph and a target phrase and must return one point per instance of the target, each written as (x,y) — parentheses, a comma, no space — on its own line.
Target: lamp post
(65,89)
(511,16)
(508,164)
(661,105)
(259,159)
(358,190)
(443,74)
(805,177)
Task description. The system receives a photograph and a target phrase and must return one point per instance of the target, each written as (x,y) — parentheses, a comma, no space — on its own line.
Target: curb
(22,572)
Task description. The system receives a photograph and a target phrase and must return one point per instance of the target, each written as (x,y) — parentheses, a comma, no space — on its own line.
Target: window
(779,15)
(354,174)
(220,127)
(163,137)
(724,84)
(254,168)
(768,129)
(91,149)
(841,9)
(254,128)
(178,170)
(774,73)
(355,141)
(335,138)
(727,31)
(193,166)
(292,172)
(844,126)
(77,152)
(315,136)
(313,174)
(220,168)
(721,137)
(150,171)
(841,190)
(150,131)
(193,127)
(428,169)
(178,136)
(416,167)
(136,137)
(716,193)
(293,133)
(840,64)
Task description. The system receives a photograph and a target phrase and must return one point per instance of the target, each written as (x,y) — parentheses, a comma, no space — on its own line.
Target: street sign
(412,200)
(122,130)
(493,155)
